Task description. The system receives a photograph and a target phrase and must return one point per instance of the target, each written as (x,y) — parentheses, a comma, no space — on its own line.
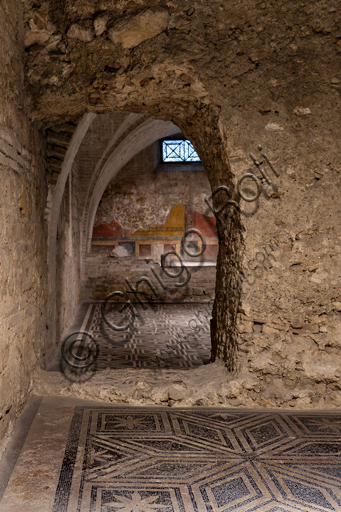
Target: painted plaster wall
(140,198)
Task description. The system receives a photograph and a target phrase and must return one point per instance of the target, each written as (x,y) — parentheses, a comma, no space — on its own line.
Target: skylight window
(174,151)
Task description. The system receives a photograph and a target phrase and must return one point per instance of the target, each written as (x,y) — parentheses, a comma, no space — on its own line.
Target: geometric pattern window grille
(179,151)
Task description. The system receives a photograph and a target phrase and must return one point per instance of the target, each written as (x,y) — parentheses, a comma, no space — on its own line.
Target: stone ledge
(209,386)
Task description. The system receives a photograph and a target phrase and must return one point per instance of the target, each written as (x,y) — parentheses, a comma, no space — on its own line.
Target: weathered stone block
(177,392)
(78,32)
(33,37)
(267,329)
(134,30)
(297,322)
(100,24)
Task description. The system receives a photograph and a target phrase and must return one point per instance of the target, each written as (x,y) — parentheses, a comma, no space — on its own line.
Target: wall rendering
(23,263)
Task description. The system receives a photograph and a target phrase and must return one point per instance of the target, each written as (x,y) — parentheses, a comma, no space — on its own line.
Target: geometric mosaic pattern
(163,335)
(127,459)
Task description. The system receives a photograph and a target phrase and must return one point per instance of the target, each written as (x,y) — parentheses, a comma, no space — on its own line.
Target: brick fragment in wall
(55,151)
(59,139)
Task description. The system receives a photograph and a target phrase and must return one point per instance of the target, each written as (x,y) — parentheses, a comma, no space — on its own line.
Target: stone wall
(23,262)
(104,275)
(290,324)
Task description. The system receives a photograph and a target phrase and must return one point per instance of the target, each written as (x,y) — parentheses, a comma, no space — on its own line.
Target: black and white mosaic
(208,460)
(162,335)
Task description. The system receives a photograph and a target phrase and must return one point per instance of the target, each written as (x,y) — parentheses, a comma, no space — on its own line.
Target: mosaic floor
(127,459)
(162,335)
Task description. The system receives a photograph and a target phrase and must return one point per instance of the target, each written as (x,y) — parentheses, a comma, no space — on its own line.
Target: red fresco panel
(206,225)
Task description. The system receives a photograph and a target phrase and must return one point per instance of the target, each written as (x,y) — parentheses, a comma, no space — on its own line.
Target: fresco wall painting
(156,240)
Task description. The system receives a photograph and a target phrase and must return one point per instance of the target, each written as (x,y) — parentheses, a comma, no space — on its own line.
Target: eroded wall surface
(290,321)
(23,265)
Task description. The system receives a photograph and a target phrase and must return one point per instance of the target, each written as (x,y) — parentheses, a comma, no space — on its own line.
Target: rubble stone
(100,24)
(133,31)
(80,33)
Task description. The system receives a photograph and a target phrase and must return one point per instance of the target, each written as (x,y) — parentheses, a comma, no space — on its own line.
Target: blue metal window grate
(179,151)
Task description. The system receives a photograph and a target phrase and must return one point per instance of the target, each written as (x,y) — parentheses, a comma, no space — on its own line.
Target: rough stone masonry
(231,76)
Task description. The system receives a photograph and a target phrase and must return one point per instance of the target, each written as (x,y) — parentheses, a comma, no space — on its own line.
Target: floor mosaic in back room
(162,335)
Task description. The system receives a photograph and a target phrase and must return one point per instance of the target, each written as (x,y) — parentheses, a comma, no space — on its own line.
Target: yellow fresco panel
(174,225)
